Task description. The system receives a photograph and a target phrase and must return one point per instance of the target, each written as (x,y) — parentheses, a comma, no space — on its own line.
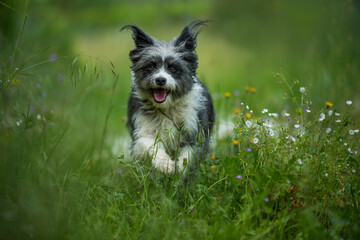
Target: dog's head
(164,71)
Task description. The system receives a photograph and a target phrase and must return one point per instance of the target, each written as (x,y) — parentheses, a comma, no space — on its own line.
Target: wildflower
(255,140)
(213,167)
(247,88)
(16,69)
(349,150)
(32,109)
(322,117)
(297,125)
(329,104)
(330,112)
(248,115)
(348,102)
(338,120)
(235,142)
(37,85)
(264,110)
(292,138)
(356,130)
(248,149)
(326,175)
(247,107)
(38,116)
(308,110)
(251,111)
(237,111)
(252,90)
(299,161)
(337,114)
(238,177)
(271,133)
(15,81)
(248,124)
(302,89)
(227,94)
(18,122)
(351,132)
(328,130)
(345,144)
(353,170)
(120,171)
(213,157)
(287,114)
(53,57)
(266,199)
(273,114)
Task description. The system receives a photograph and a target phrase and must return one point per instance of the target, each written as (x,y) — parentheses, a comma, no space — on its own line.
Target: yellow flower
(248,115)
(15,81)
(329,104)
(247,88)
(235,142)
(237,111)
(251,139)
(213,167)
(227,94)
(213,157)
(253,90)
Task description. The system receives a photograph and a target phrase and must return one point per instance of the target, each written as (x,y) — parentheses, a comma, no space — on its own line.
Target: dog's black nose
(160,81)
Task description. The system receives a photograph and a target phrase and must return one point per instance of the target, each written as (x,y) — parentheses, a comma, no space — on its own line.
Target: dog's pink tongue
(160,94)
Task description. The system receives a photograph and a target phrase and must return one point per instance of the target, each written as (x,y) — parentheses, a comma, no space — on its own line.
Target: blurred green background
(314,41)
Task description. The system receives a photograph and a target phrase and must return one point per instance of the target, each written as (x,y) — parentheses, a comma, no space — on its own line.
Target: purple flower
(266,199)
(43,94)
(53,57)
(32,109)
(11,58)
(60,77)
(37,85)
(16,69)
(248,149)
(238,177)
(289,119)
(120,171)
(183,222)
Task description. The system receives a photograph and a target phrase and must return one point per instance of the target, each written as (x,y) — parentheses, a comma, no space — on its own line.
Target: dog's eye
(172,69)
(151,67)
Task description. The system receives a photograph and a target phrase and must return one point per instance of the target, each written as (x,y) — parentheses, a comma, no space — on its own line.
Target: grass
(288,169)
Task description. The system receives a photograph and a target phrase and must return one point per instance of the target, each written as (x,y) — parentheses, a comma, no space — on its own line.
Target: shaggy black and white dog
(170,112)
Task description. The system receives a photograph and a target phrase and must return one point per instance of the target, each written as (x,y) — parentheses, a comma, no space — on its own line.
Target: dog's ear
(187,38)
(141,39)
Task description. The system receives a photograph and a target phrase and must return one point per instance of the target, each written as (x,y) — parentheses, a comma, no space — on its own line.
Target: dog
(170,111)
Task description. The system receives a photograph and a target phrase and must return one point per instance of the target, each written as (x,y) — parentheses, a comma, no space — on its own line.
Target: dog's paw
(164,163)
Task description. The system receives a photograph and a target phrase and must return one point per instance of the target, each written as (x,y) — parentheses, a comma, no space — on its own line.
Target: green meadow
(284,160)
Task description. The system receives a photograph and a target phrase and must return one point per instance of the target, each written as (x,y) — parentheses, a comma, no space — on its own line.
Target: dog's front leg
(160,159)
(185,158)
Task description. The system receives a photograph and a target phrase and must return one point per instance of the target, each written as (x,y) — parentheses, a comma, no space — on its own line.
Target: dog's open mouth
(160,94)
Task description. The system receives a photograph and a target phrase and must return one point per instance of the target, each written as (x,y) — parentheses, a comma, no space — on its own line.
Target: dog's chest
(172,127)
